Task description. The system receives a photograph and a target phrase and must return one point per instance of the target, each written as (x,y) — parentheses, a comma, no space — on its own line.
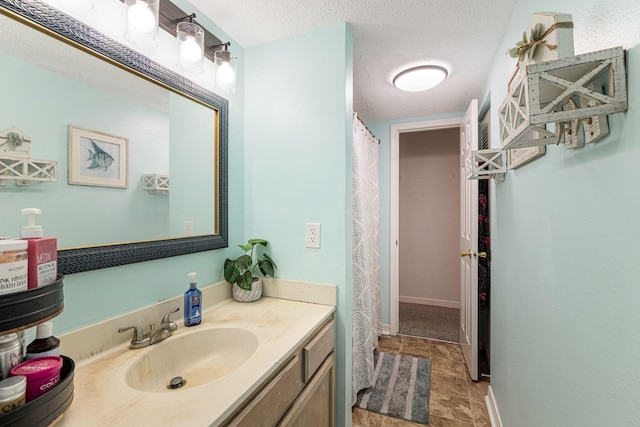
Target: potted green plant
(241,272)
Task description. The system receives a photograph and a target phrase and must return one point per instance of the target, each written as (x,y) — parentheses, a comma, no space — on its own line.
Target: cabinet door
(269,406)
(314,406)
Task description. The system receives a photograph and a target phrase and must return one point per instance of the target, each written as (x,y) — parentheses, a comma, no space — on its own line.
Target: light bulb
(141,17)
(190,50)
(225,74)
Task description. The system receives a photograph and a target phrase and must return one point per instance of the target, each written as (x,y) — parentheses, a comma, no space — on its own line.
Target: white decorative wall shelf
(23,171)
(561,91)
(156,183)
(516,129)
(548,37)
(16,163)
(487,164)
(553,84)
(555,96)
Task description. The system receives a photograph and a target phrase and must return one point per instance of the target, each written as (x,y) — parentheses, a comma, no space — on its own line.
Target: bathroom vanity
(301,393)
(266,363)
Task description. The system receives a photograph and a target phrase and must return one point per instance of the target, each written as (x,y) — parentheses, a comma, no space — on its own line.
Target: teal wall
(298,166)
(565,268)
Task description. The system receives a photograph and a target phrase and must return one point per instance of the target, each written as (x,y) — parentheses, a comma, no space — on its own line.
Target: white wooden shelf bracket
(156,183)
(487,164)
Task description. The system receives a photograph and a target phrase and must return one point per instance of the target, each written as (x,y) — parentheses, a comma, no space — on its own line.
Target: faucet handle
(138,334)
(139,339)
(167,321)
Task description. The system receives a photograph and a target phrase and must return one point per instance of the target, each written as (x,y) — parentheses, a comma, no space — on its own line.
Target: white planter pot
(243,295)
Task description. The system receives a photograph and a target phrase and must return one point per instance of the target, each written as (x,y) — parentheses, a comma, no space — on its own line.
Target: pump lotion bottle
(42,252)
(192,303)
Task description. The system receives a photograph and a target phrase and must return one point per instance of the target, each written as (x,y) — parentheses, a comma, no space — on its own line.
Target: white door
(469,242)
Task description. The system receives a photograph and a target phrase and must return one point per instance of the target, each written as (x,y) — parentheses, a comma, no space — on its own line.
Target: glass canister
(13,266)
(10,353)
(13,392)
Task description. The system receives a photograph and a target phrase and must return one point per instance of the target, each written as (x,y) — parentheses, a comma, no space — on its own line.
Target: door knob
(482,254)
(465,253)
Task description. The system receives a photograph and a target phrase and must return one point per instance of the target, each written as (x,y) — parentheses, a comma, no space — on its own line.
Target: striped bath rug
(402,385)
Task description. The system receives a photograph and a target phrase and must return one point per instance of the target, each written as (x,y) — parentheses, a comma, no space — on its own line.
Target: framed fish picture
(98,159)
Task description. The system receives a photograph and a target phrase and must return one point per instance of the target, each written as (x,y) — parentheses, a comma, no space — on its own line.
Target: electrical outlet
(188,228)
(312,236)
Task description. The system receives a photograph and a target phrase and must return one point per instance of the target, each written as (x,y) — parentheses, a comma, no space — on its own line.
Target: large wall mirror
(64,85)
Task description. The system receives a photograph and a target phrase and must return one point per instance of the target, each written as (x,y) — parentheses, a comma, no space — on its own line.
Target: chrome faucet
(166,328)
(142,339)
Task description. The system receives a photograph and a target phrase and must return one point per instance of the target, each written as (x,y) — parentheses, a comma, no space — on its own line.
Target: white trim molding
(394,220)
(429,301)
(492,408)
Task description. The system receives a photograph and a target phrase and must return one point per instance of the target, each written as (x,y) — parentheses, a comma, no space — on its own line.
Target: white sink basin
(199,358)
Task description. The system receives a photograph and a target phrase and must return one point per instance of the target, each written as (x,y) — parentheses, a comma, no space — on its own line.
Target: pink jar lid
(38,368)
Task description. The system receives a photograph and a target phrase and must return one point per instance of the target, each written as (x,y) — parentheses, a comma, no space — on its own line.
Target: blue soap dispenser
(192,303)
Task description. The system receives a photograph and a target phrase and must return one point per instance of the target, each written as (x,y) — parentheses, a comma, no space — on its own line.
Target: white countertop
(102,397)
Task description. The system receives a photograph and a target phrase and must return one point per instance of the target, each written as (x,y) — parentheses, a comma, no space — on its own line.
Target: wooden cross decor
(553,84)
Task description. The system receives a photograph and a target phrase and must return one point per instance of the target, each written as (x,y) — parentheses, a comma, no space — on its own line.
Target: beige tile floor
(456,400)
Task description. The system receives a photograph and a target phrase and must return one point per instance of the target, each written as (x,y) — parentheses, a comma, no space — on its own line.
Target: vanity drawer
(268,407)
(317,350)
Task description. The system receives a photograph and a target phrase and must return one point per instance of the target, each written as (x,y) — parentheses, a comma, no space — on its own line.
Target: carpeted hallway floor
(428,321)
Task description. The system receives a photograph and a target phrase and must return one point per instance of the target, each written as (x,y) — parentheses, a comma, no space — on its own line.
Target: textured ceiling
(389,35)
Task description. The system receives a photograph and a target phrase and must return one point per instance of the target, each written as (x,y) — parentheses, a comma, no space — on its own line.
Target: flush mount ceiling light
(420,78)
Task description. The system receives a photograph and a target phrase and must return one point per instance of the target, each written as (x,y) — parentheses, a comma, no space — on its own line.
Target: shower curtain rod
(355,115)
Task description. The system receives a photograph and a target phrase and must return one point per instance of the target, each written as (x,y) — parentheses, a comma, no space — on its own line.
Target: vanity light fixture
(224,69)
(145,16)
(191,51)
(420,78)
(141,22)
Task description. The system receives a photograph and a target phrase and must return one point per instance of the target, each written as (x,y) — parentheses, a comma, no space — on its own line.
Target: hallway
(430,321)
(456,401)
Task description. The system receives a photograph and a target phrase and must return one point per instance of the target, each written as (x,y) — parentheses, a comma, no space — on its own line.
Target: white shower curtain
(367,311)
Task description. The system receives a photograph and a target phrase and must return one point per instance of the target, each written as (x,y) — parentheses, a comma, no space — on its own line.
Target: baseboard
(429,301)
(386,329)
(492,408)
